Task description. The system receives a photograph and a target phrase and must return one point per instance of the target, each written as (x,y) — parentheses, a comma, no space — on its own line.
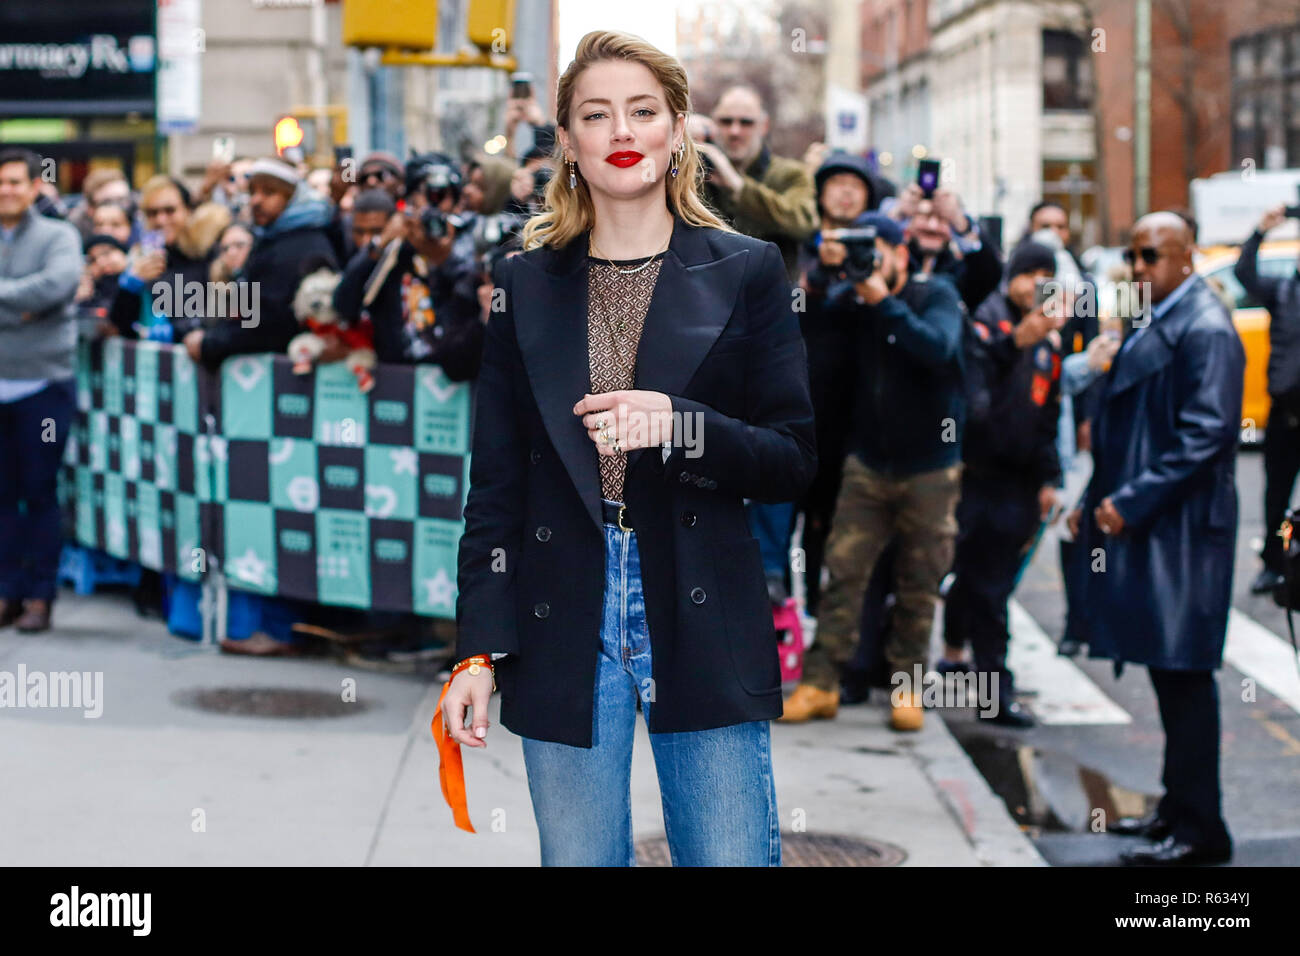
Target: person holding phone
(630,575)
(1281,296)
(943,240)
(1012,469)
(176,247)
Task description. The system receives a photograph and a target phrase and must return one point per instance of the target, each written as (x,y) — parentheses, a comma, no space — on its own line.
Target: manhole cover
(799,849)
(269,702)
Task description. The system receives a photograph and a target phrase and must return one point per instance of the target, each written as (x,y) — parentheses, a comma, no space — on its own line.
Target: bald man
(1159,524)
(762,195)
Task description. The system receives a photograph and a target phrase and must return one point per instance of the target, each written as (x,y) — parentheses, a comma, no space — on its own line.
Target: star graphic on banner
(249,567)
(439,589)
(404,460)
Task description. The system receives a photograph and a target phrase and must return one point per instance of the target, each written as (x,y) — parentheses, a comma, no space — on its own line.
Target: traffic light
(289,135)
(491,24)
(405,24)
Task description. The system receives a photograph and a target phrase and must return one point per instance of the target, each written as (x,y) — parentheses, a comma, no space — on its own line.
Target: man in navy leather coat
(1159,525)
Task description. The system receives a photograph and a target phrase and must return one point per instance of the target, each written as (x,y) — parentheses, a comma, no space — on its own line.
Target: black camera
(860,251)
(491,232)
(434,175)
(436,223)
(542,177)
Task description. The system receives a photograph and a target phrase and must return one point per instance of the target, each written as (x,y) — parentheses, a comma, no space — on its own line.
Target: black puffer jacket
(1011,431)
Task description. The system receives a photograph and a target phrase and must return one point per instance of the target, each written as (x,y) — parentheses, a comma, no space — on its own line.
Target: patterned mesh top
(617,303)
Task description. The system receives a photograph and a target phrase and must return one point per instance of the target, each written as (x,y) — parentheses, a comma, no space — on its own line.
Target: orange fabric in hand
(451,769)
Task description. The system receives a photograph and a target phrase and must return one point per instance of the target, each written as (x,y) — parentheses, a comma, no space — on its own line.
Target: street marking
(1259,653)
(1066,695)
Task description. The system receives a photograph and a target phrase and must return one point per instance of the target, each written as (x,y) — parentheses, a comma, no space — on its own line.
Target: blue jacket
(1164,445)
(901,366)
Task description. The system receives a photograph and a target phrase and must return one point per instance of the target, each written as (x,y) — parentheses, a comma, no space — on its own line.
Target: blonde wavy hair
(569,212)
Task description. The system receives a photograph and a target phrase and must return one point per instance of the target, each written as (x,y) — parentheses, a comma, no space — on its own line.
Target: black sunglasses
(1150,255)
(745,121)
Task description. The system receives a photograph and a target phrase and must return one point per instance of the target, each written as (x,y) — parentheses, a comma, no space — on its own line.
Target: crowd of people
(953,385)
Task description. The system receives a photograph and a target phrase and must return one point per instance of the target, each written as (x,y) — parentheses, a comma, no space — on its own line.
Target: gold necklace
(591,243)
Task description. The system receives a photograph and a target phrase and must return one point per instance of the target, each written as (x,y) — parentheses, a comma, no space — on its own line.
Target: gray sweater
(39,269)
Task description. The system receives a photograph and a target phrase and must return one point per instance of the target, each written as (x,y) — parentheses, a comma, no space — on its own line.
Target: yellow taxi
(1215,265)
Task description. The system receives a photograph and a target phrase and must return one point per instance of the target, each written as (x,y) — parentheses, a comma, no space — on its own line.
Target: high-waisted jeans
(719,797)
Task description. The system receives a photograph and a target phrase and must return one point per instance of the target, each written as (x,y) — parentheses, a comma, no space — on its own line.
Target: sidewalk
(155,781)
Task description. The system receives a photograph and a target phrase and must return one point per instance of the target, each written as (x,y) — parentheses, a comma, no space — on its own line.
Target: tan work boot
(907,714)
(810,703)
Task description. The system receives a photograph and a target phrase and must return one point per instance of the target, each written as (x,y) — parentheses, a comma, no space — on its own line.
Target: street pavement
(158,780)
(155,780)
(1099,744)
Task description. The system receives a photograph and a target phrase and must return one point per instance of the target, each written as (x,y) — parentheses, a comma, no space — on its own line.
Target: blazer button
(697,595)
(534,456)
(711,484)
(701,482)
(688,519)
(683,477)
(541,609)
(543,533)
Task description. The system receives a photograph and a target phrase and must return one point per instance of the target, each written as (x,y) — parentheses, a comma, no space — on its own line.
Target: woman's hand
(626,420)
(468,690)
(150,266)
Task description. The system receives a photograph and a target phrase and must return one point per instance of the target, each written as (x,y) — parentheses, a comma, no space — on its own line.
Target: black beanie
(1030,257)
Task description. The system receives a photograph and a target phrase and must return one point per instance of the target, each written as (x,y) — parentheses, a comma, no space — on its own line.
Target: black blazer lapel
(693,300)
(692,303)
(550,307)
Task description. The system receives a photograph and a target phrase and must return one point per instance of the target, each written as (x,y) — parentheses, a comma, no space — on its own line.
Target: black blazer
(722,340)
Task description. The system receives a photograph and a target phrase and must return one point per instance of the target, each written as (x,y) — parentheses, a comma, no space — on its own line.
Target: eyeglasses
(745,121)
(383,175)
(1150,255)
(235,244)
(160,211)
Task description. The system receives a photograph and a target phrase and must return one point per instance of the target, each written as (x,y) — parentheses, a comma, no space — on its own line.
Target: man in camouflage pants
(900,365)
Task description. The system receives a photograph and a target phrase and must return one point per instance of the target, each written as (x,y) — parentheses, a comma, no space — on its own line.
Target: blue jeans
(33,431)
(719,797)
(771,525)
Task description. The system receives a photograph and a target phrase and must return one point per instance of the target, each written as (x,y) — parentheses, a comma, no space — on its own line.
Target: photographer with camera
(942,239)
(1012,468)
(896,356)
(416,280)
(1281,296)
(759,194)
(845,190)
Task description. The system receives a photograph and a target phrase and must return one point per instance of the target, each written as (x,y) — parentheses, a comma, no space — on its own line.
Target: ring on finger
(604,435)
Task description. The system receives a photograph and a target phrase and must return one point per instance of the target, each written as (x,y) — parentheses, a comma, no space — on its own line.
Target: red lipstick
(624,159)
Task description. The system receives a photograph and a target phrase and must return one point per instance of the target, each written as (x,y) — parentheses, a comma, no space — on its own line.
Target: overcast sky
(656,22)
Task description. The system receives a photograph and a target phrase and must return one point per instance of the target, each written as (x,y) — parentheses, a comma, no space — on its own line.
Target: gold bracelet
(475,664)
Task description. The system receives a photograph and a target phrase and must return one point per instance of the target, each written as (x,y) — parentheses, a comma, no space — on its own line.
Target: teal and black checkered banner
(133,486)
(300,486)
